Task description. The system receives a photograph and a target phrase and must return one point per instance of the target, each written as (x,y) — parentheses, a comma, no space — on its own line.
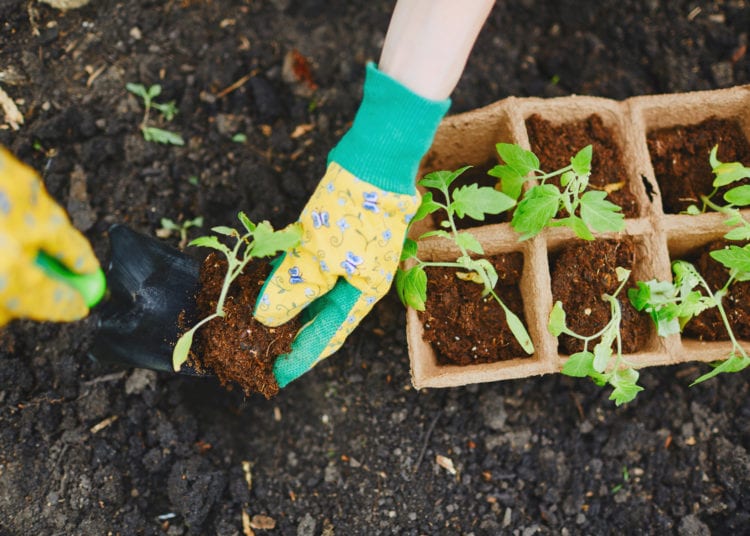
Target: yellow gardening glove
(354,225)
(32,225)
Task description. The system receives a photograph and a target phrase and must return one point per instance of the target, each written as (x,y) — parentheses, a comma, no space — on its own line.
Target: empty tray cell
(680,158)
(556,142)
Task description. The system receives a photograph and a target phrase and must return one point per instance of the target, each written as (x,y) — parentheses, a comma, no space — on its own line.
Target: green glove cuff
(392,131)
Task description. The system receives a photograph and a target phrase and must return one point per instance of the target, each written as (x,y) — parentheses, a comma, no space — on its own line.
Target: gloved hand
(354,225)
(32,223)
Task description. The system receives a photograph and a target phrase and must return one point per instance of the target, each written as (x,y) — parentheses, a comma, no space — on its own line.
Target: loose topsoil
(237,348)
(708,326)
(350,448)
(680,157)
(464,327)
(554,145)
(581,273)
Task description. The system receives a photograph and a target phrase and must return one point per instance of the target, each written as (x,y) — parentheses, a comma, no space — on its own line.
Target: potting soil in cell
(680,158)
(466,328)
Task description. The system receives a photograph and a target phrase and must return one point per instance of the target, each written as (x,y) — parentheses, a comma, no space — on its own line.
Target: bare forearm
(429,41)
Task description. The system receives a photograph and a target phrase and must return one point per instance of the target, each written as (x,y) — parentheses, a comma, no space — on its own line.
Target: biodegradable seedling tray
(470,138)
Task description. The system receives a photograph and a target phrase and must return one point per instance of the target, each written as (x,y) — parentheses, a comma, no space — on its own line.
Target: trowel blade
(152,289)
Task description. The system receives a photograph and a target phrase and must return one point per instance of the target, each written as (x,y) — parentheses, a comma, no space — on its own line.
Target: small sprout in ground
(193,180)
(168,227)
(472,201)
(254,241)
(672,305)
(167,110)
(603,364)
(587,211)
(738,197)
(239,138)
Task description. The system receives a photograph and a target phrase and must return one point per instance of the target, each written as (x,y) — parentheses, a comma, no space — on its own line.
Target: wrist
(393,129)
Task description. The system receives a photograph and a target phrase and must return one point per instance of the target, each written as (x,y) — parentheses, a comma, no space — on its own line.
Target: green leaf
(538,206)
(169,225)
(411,287)
(712,158)
(426,207)
(159,135)
(437,232)
(557,317)
(267,242)
(483,267)
(468,241)
(223,230)
(245,221)
(692,210)
(441,180)
(511,181)
(210,242)
(518,330)
(622,273)
(240,137)
(523,161)
(740,233)
(599,214)
(154,91)
(734,257)
(475,201)
(625,387)
(182,349)
(168,110)
(727,173)
(579,365)
(602,354)
(735,363)
(576,224)
(739,195)
(137,89)
(581,162)
(409,250)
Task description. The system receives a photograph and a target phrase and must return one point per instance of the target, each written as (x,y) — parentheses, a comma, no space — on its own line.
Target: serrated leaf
(727,173)
(566,178)
(409,250)
(511,181)
(581,162)
(426,207)
(576,224)
(468,241)
(735,363)
(441,180)
(475,201)
(267,242)
(739,195)
(557,318)
(159,135)
(210,242)
(411,287)
(523,161)
(535,210)
(625,392)
(733,257)
(579,365)
(740,233)
(599,214)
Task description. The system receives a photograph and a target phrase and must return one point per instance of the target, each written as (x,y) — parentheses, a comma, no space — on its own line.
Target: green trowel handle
(90,286)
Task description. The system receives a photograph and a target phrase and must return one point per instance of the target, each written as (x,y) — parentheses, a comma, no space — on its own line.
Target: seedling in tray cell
(604,363)
(586,210)
(472,201)
(254,241)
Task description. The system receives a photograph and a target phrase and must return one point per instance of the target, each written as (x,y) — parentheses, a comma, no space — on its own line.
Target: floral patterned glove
(36,238)
(354,225)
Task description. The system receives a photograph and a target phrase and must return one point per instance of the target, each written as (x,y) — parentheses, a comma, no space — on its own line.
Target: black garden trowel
(152,289)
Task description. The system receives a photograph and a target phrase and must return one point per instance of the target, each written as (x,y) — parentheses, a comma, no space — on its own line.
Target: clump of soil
(465,328)
(237,348)
(584,271)
(708,326)
(679,156)
(555,145)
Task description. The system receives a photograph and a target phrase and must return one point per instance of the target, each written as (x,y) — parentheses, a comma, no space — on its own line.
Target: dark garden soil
(680,157)
(556,144)
(237,348)
(350,448)
(708,326)
(465,328)
(581,273)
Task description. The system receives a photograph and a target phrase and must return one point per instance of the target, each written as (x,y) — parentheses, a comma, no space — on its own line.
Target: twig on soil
(426,440)
(115,376)
(236,85)
(103,424)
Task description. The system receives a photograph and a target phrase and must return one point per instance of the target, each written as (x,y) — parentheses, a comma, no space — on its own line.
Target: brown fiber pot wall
(470,138)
